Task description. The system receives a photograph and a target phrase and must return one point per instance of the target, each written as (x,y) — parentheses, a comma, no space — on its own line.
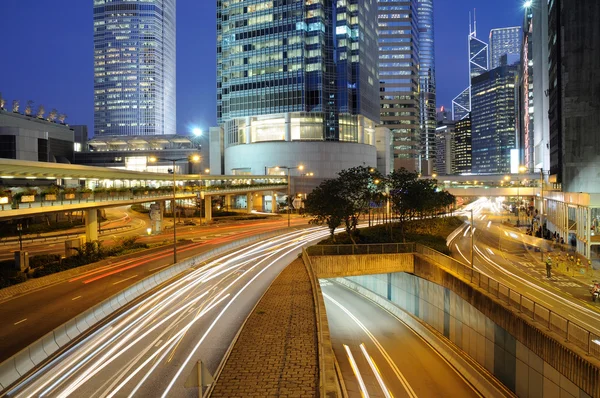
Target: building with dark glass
(493,120)
(462,146)
(295,81)
(427,85)
(445,148)
(134,67)
(399,79)
(574,94)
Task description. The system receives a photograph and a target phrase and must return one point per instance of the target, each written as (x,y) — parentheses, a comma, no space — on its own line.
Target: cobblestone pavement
(276,352)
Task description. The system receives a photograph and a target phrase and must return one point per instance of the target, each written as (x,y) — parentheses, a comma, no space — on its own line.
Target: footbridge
(88,188)
(529,347)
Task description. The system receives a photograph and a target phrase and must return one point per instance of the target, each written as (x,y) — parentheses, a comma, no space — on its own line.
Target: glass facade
(301,70)
(462,146)
(478,56)
(505,41)
(493,119)
(134,67)
(399,79)
(427,79)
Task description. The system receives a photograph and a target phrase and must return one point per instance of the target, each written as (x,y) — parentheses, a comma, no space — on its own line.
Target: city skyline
(68,66)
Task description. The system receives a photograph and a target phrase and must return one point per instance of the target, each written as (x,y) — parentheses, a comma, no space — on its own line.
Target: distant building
(445,149)
(399,80)
(574,95)
(26,137)
(478,64)
(135,153)
(493,119)
(427,90)
(505,41)
(134,67)
(462,146)
(443,115)
(80,135)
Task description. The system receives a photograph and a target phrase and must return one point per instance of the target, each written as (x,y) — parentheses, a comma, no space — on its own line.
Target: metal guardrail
(567,329)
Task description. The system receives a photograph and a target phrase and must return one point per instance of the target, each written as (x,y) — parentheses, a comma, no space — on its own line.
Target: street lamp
(193,158)
(300,167)
(522,169)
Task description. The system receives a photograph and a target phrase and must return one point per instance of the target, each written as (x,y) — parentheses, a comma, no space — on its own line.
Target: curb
(37,354)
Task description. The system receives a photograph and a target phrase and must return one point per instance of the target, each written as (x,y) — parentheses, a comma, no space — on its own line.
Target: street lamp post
(194,158)
(542,211)
(472,239)
(300,167)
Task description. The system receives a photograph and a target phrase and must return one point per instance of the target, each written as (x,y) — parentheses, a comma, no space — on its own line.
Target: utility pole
(542,212)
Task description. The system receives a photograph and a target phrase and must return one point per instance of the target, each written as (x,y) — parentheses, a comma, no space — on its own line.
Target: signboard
(69,196)
(27,198)
(50,197)
(4,200)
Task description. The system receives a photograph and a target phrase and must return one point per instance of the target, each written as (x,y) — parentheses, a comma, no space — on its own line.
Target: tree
(359,185)
(327,205)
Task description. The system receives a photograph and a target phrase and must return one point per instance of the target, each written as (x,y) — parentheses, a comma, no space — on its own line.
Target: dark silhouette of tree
(327,205)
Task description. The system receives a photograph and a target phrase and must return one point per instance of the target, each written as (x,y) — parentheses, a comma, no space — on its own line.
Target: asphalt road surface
(152,349)
(28,317)
(501,253)
(381,357)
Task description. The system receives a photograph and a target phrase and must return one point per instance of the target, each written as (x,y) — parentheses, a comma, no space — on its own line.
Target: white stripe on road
(123,280)
(22,320)
(76,298)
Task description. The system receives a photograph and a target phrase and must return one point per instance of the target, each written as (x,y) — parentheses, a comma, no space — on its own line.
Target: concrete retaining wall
(331,267)
(513,363)
(25,360)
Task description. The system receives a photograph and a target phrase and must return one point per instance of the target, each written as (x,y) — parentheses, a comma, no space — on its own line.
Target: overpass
(128,189)
(531,348)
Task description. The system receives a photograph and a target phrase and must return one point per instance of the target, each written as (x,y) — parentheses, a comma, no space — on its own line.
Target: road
(151,349)
(379,356)
(28,317)
(500,253)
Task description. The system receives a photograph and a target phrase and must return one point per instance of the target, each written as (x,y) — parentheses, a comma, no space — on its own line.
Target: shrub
(42,260)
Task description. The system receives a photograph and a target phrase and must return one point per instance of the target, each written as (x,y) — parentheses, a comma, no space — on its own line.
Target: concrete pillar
(288,127)
(228,202)
(248,130)
(91,225)
(273,202)
(157,211)
(249,202)
(207,208)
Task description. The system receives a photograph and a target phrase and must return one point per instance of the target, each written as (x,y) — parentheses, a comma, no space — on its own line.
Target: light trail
(371,363)
(354,366)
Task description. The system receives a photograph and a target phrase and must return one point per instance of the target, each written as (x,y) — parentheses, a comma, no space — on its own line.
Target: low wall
(528,358)
(46,347)
(330,267)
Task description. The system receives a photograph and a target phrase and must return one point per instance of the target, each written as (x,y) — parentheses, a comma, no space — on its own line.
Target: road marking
(375,370)
(162,266)
(361,383)
(22,320)
(75,298)
(123,280)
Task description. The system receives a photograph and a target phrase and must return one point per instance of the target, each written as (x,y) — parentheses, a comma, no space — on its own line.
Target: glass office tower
(505,41)
(493,120)
(297,71)
(134,67)
(427,80)
(399,79)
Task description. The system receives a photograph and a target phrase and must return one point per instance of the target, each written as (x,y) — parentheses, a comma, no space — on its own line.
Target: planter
(86,195)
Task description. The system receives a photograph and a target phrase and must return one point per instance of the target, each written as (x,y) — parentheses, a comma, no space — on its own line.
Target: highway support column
(273,202)
(207,208)
(249,202)
(91,225)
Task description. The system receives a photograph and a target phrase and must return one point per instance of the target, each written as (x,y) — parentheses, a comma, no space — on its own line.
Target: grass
(430,232)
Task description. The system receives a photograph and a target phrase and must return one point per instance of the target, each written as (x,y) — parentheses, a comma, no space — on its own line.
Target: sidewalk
(275,354)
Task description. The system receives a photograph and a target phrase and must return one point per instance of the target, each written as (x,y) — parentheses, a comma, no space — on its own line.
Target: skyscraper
(134,67)
(462,145)
(493,120)
(478,64)
(427,82)
(444,149)
(399,79)
(574,94)
(505,41)
(291,73)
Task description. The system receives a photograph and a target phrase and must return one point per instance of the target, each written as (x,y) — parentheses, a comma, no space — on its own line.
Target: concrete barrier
(20,364)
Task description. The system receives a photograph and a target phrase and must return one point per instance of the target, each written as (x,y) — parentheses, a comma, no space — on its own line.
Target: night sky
(46,53)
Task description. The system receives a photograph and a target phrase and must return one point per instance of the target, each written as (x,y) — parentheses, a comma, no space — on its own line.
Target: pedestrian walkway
(276,352)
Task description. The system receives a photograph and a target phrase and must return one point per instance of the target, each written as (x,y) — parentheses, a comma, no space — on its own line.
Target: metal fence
(567,329)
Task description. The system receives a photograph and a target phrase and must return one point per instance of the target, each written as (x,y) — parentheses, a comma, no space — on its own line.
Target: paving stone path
(276,353)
